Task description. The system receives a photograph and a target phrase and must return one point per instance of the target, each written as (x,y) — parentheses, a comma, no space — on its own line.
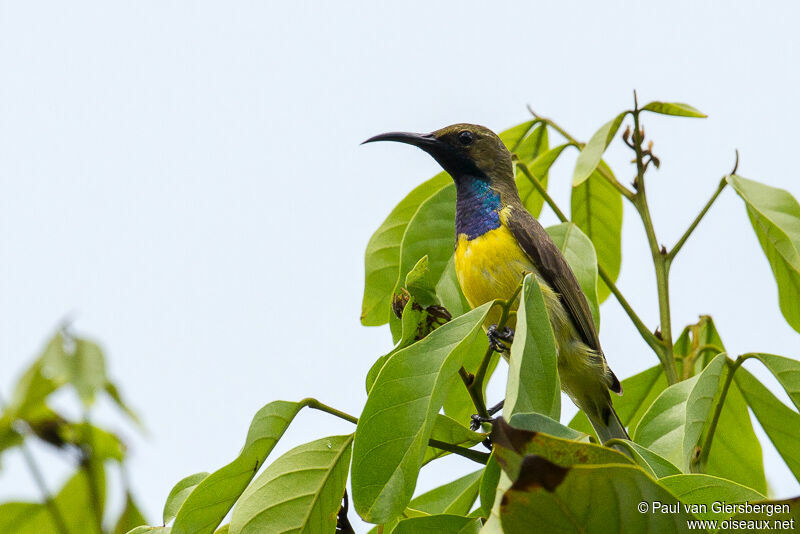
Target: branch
(648,336)
(475,456)
(38,478)
(688,232)
(705,449)
(660,262)
(627,193)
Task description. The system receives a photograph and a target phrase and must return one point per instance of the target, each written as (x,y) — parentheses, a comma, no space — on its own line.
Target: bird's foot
(497,336)
(476,421)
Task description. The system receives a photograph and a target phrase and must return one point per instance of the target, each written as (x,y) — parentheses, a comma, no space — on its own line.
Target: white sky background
(185,179)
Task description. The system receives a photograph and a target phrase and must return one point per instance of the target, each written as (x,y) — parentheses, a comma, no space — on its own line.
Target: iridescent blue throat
(477,207)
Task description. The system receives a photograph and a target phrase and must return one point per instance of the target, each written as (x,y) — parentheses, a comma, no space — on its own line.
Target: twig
(38,478)
(688,232)
(475,456)
(646,334)
(627,193)
(705,449)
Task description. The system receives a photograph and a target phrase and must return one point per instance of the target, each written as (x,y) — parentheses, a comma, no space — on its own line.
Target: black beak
(426,142)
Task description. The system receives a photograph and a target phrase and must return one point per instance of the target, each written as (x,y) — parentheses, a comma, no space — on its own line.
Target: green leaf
(775,217)
(9,438)
(421,284)
(450,431)
(456,497)
(449,292)
(780,520)
(179,493)
(582,259)
(537,422)
(430,232)
(439,524)
(674,108)
(514,135)
(130,517)
(413,318)
(533,145)
(735,450)
(590,156)
(394,428)
(75,503)
(209,503)
(786,370)
(382,257)
(781,423)
(23,518)
(596,207)
(88,370)
(151,530)
(538,167)
(113,392)
(672,425)
(586,498)
(511,444)
(489,481)
(46,374)
(103,444)
(704,490)
(458,403)
(640,392)
(533,384)
(300,492)
(655,465)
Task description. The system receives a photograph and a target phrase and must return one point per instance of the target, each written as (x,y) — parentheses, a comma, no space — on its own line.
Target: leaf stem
(627,193)
(705,449)
(317,405)
(646,334)
(475,456)
(689,361)
(688,232)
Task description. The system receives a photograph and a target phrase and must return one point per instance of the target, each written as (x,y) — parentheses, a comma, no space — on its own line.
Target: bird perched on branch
(497,240)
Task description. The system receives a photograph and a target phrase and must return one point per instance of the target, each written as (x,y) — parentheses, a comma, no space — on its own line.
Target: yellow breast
(490,267)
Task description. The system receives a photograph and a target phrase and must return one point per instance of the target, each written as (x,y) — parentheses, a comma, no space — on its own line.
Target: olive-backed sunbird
(498,241)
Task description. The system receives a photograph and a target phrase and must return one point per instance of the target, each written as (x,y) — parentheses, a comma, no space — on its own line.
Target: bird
(497,242)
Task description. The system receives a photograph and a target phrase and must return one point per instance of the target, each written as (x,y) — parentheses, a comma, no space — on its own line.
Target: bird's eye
(466,138)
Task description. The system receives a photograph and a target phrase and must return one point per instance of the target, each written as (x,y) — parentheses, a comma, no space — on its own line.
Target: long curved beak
(426,142)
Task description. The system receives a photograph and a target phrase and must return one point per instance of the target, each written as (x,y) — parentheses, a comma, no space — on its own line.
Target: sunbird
(497,242)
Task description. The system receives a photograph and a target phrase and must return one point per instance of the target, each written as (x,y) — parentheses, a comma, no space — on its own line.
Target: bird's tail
(606,423)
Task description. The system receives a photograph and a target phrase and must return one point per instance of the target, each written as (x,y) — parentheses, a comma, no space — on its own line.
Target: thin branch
(317,405)
(648,336)
(705,449)
(87,464)
(688,232)
(475,456)
(38,478)
(627,193)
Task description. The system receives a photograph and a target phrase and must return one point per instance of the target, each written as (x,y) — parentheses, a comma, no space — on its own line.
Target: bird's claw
(497,336)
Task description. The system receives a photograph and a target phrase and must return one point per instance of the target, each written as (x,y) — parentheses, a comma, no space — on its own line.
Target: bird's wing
(555,270)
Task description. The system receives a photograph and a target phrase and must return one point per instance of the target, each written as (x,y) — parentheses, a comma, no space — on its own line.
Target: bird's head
(462,150)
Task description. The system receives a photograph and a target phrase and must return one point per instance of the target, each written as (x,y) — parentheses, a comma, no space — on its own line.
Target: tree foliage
(688,416)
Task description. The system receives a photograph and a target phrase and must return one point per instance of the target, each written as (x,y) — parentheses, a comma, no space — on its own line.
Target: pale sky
(185,180)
